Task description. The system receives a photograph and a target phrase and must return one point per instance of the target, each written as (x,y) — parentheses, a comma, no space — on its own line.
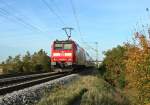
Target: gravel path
(31,95)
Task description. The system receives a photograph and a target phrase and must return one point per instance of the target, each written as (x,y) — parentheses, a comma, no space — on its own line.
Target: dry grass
(63,95)
(92,89)
(102,93)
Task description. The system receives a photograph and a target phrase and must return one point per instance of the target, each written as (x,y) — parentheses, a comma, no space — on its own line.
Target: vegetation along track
(20,82)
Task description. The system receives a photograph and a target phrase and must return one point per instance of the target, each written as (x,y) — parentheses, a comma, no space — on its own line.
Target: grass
(91,89)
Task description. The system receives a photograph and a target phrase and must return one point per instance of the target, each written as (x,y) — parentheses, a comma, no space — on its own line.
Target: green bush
(113,67)
(38,62)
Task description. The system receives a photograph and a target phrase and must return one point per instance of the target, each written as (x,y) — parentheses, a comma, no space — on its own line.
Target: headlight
(68,54)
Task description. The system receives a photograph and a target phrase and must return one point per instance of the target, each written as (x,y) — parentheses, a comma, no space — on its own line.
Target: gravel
(31,95)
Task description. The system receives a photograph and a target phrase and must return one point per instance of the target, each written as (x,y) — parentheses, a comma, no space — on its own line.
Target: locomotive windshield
(62,46)
(58,46)
(67,46)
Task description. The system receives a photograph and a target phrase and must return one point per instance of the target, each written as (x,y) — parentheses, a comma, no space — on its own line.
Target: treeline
(37,62)
(128,67)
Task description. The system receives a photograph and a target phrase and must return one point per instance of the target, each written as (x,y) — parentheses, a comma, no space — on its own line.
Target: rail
(28,81)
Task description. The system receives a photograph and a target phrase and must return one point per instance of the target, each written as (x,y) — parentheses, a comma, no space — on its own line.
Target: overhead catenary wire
(5,15)
(10,16)
(53,11)
(76,19)
(57,8)
(79,29)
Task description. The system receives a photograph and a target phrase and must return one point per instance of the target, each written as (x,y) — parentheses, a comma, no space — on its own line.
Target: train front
(62,54)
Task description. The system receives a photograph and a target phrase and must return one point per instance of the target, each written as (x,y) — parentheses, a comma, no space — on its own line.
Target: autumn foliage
(138,68)
(128,67)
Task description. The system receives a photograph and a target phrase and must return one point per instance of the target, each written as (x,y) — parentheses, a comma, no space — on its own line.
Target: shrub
(113,67)
(138,68)
(28,63)
(129,66)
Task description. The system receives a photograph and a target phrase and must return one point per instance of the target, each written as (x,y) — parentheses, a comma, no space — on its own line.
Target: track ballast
(8,85)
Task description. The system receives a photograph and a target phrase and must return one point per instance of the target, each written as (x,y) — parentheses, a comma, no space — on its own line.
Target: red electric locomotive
(68,54)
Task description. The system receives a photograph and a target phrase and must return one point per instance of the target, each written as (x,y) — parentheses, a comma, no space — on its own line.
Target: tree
(9,60)
(17,64)
(27,65)
(138,68)
(114,65)
(39,61)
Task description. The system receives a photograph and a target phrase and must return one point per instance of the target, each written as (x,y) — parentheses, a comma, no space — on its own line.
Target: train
(68,54)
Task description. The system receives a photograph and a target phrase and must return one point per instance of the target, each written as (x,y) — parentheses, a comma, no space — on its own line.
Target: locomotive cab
(68,54)
(62,55)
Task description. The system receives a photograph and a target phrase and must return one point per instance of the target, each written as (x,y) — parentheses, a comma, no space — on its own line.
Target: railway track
(12,80)
(8,85)
(2,76)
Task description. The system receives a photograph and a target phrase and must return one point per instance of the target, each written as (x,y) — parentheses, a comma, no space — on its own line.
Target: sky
(30,25)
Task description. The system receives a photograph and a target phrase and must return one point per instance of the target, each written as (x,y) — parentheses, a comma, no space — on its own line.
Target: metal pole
(96,43)
(149,32)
